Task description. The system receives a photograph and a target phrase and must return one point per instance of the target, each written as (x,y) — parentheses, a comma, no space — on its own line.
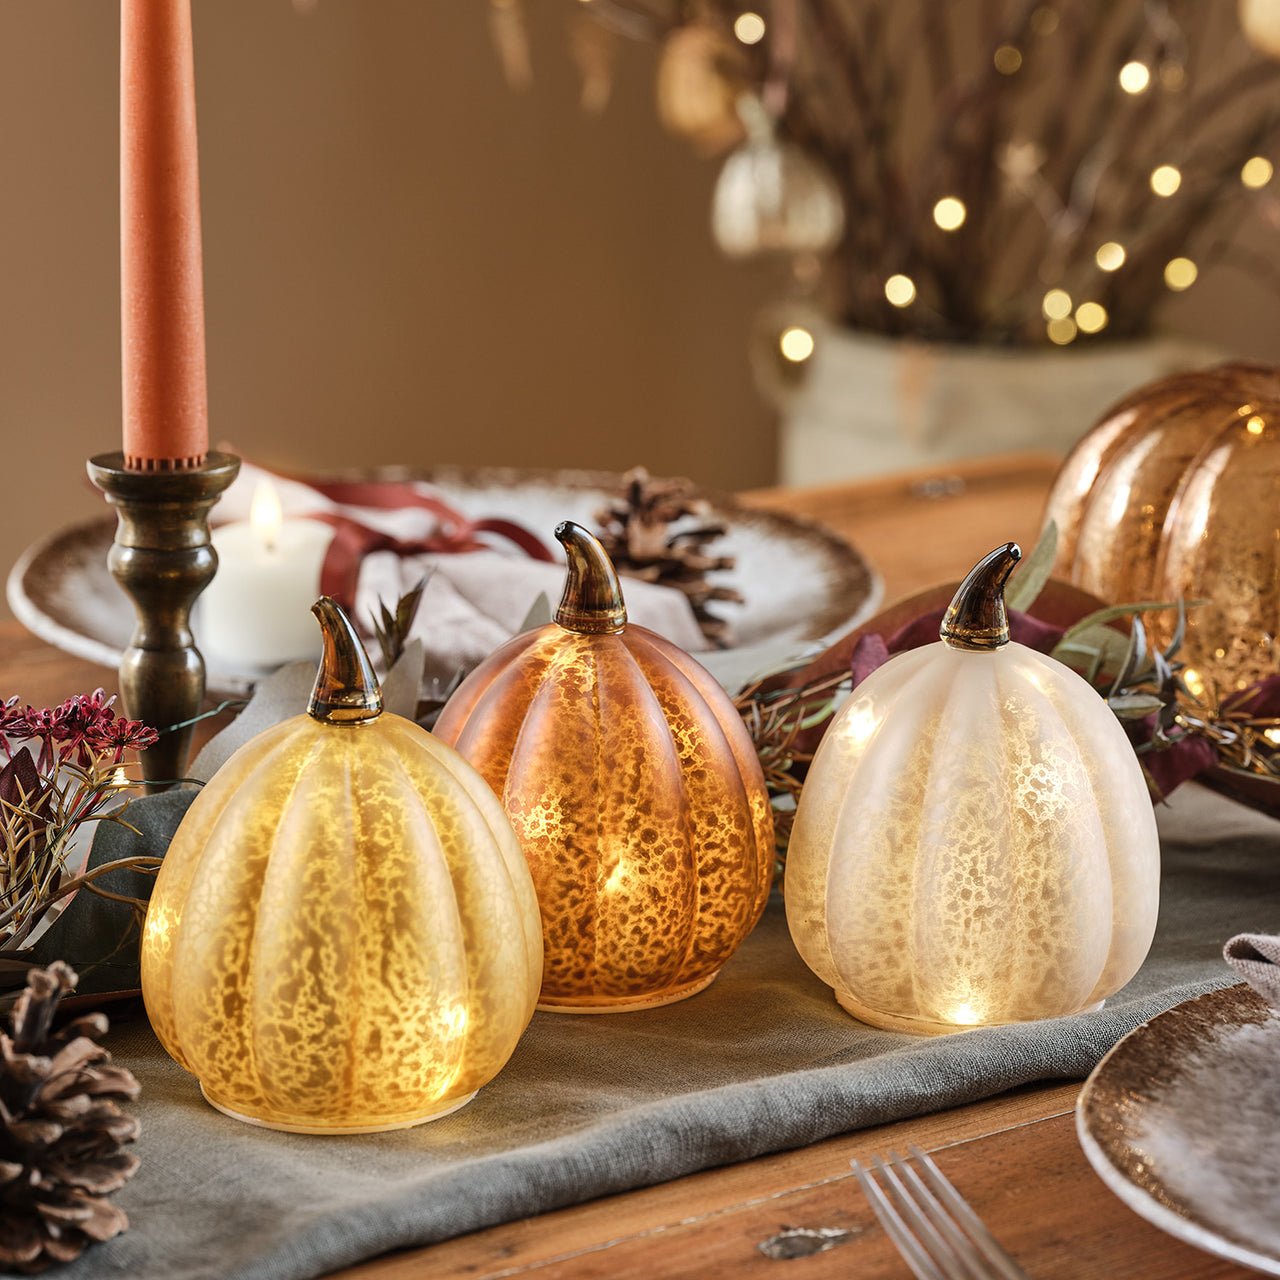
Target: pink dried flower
(122,735)
(82,725)
(46,795)
(11,718)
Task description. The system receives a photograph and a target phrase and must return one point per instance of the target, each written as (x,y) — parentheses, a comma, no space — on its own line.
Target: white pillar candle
(257,610)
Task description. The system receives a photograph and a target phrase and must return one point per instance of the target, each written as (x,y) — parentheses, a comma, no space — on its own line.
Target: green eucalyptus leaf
(1134,656)
(96,935)
(1134,706)
(1111,612)
(1030,576)
(1099,642)
(1095,666)
(1179,633)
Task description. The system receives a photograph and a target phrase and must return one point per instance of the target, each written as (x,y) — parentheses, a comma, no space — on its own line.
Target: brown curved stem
(346,690)
(976,619)
(592,601)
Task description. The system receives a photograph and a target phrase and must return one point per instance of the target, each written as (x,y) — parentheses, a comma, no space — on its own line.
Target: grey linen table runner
(762,1061)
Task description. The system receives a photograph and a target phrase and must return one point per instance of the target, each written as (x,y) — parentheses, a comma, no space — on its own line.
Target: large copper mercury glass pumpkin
(974,843)
(634,789)
(1175,494)
(343,936)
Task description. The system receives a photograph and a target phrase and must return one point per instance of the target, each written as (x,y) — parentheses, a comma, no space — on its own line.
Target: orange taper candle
(165,401)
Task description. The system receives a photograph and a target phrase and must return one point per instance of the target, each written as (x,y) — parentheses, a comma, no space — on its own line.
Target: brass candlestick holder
(163,559)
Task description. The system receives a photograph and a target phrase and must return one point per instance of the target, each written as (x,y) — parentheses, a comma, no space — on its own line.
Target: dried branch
(905,104)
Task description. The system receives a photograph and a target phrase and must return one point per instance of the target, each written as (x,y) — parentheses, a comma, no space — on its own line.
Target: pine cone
(636,531)
(60,1130)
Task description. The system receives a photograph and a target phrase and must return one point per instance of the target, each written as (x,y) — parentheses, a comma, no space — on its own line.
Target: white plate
(802,583)
(1182,1121)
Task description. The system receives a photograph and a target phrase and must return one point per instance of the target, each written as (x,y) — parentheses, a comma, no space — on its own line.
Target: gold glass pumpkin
(974,843)
(343,936)
(1174,495)
(634,789)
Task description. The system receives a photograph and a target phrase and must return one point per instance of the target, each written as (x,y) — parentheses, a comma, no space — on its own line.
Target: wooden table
(1014,1157)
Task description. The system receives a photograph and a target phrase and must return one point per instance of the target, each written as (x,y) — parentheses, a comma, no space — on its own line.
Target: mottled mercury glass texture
(1174,495)
(343,936)
(639,802)
(974,845)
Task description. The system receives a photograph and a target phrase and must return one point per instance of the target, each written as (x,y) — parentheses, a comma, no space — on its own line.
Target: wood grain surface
(1015,1159)
(920,528)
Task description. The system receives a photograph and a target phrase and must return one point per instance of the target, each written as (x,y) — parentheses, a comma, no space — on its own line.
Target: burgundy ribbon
(352,541)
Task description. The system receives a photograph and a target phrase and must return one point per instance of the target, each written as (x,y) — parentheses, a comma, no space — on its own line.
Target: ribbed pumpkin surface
(1175,494)
(974,845)
(639,802)
(343,934)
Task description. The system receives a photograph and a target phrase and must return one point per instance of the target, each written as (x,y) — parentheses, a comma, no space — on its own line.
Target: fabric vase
(868,404)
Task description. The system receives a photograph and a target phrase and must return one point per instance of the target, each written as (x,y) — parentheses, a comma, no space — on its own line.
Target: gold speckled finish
(1174,494)
(639,801)
(343,936)
(974,845)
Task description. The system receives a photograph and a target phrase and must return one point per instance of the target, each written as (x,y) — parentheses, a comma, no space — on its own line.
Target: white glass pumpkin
(975,843)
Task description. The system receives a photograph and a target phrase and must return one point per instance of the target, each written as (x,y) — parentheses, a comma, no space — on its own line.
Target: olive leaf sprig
(1142,683)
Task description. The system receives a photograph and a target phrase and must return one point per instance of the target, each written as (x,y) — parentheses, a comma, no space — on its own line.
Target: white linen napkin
(474,600)
(1256,958)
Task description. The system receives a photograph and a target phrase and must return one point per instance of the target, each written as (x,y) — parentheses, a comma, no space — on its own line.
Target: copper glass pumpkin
(1174,494)
(974,843)
(634,789)
(343,936)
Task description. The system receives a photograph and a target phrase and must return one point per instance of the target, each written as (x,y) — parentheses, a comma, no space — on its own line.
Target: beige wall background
(404,260)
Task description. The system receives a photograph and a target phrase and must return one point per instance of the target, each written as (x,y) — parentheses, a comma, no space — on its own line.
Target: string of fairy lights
(1065,317)
(1013,172)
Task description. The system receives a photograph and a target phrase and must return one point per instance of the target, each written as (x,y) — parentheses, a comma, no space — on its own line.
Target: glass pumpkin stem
(346,690)
(976,619)
(592,600)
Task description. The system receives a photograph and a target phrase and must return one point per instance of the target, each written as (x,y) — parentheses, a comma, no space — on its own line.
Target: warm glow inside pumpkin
(634,789)
(974,843)
(1173,495)
(343,936)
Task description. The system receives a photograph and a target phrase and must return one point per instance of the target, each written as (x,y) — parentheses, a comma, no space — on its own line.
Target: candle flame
(266,515)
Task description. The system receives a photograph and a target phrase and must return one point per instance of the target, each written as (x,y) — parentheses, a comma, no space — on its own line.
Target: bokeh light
(900,290)
(1056,305)
(1061,331)
(949,213)
(1091,317)
(1135,77)
(796,343)
(1110,256)
(1007,59)
(749,27)
(1044,20)
(1256,172)
(1180,273)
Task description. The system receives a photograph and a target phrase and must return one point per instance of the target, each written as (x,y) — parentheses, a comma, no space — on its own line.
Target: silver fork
(936,1232)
